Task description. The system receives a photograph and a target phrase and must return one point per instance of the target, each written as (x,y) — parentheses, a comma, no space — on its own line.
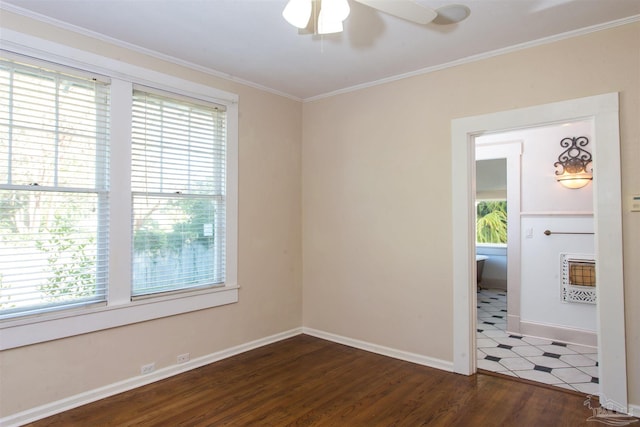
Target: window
(118,194)
(178,183)
(53,189)
(491,221)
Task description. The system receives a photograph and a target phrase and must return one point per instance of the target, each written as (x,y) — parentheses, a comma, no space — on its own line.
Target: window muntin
(178,176)
(53,189)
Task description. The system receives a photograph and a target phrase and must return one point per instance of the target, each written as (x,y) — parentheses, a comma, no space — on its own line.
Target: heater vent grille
(578,278)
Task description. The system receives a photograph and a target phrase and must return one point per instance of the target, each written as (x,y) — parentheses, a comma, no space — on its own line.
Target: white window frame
(49,72)
(120,309)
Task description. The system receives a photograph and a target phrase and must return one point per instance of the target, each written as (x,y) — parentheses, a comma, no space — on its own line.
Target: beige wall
(269,261)
(377,187)
(360,212)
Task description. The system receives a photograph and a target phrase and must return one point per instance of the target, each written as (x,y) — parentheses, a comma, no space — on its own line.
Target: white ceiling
(248,40)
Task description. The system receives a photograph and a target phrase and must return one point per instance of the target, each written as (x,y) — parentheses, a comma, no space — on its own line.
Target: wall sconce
(573,163)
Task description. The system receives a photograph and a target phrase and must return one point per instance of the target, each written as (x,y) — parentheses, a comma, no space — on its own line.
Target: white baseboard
(71,402)
(634,410)
(559,333)
(385,351)
(513,323)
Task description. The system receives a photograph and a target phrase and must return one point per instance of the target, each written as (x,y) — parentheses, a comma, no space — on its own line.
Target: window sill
(51,326)
(491,245)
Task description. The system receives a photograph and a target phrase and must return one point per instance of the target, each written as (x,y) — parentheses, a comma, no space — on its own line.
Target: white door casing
(603,111)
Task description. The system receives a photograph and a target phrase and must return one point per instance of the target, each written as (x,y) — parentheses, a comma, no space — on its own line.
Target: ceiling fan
(327,16)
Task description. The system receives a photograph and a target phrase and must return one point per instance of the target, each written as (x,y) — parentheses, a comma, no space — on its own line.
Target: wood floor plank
(306,381)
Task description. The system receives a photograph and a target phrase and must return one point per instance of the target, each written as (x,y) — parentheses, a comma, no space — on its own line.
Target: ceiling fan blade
(405,9)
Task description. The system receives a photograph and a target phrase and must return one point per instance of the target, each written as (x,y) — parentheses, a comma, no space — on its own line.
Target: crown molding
(138,49)
(229,77)
(482,56)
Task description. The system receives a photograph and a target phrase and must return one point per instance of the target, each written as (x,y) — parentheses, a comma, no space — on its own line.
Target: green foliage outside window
(151,239)
(71,268)
(491,223)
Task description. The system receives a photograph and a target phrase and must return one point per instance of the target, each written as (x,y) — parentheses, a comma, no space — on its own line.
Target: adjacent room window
(178,184)
(53,189)
(491,221)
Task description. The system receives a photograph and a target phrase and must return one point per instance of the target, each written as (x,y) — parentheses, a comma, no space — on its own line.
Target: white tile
(542,377)
(556,349)
(536,341)
(515,342)
(486,342)
(495,333)
(499,352)
(490,365)
(566,386)
(484,303)
(577,360)
(486,327)
(549,362)
(590,370)
(485,315)
(592,356)
(571,375)
(582,349)
(528,350)
(517,364)
(587,388)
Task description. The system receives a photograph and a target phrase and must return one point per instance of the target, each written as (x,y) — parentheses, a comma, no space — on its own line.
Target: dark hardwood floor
(306,381)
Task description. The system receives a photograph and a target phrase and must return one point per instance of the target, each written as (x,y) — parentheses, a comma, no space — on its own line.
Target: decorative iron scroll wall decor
(573,163)
(578,278)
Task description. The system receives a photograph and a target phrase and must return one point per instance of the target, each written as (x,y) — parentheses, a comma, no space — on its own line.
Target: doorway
(548,340)
(510,151)
(603,111)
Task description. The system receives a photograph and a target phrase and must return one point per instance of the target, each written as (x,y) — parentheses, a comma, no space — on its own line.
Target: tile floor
(569,366)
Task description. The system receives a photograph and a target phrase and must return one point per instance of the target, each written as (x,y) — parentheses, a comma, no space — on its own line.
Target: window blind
(53,189)
(178,185)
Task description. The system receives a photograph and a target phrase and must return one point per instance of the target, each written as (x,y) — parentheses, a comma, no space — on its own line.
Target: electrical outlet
(183,358)
(148,368)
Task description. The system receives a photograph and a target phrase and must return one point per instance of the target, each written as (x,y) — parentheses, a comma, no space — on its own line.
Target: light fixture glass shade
(574,180)
(327,25)
(297,13)
(338,10)
(574,163)
(332,13)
